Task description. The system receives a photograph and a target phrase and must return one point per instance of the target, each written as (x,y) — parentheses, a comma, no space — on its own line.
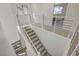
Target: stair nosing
(29,31)
(38,42)
(44,52)
(33,33)
(41,49)
(35,40)
(38,47)
(32,37)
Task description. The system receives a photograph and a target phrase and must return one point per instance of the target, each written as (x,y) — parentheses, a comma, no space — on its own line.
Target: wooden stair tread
(39,46)
(35,40)
(37,43)
(44,52)
(41,49)
(32,37)
(32,33)
(26,29)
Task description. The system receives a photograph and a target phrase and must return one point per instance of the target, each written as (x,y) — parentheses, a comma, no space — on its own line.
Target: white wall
(5,48)
(41,9)
(24,19)
(9,23)
(72,13)
(56,45)
(45,9)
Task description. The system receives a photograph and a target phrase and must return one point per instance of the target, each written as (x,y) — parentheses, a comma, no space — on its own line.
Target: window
(59,9)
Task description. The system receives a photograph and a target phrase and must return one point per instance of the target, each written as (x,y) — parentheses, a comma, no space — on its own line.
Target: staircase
(68,24)
(35,41)
(19,50)
(74,42)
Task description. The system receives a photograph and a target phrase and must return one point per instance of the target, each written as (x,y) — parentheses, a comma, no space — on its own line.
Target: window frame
(64,9)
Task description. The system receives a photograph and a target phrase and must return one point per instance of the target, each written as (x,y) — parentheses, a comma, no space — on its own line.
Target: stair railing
(72,39)
(35,49)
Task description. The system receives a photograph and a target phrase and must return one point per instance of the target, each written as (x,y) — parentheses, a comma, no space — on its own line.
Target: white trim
(75,49)
(49,31)
(38,53)
(67,48)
